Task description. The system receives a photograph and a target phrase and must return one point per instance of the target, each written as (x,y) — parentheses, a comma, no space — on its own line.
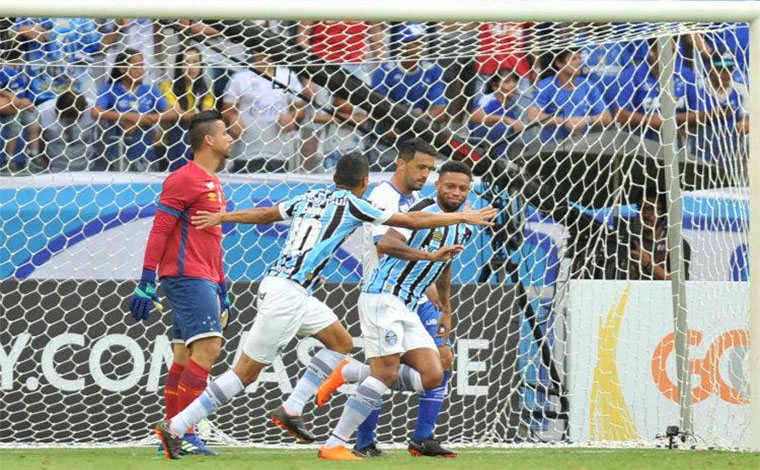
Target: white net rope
(563,314)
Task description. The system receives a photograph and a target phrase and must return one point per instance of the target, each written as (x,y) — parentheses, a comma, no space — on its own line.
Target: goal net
(604,146)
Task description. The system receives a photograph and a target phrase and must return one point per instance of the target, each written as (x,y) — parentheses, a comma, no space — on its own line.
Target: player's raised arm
(419,220)
(394,244)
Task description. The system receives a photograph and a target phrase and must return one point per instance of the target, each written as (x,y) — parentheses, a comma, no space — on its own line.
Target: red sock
(170,390)
(191,385)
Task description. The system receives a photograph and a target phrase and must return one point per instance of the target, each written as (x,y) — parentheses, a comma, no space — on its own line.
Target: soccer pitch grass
(144,458)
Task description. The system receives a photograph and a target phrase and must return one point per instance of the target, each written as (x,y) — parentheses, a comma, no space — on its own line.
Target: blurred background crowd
(116,95)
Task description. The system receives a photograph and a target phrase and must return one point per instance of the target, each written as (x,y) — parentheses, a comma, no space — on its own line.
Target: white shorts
(389,327)
(285,309)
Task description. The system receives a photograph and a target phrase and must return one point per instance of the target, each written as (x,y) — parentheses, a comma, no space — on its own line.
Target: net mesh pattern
(563,321)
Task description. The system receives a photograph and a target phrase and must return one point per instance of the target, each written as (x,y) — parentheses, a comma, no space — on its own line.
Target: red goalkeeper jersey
(175,245)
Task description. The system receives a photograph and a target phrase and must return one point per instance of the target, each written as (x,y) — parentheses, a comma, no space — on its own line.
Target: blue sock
(430,404)
(365,435)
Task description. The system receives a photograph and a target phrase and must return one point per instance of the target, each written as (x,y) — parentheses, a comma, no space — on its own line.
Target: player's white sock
(217,394)
(409,380)
(317,371)
(355,371)
(356,410)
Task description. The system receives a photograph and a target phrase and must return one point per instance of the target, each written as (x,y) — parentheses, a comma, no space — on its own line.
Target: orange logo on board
(708,369)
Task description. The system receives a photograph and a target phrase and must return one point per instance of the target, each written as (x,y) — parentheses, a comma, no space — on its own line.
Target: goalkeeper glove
(225,304)
(145,296)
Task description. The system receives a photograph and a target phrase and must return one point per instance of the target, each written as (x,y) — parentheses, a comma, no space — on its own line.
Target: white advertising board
(622,368)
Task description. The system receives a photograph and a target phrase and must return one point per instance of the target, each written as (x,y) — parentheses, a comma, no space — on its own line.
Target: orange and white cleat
(337,453)
(331,384)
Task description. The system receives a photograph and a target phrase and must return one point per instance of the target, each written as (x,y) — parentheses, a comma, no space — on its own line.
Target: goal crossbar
(397,10)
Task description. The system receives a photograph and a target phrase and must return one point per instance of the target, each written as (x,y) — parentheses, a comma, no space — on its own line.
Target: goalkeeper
(189,263)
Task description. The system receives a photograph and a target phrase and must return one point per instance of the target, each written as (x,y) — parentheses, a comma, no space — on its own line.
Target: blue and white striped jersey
(406,279)
(321,220)
(385,195)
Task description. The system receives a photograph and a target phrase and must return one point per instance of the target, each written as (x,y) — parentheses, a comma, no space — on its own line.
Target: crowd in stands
(116,95)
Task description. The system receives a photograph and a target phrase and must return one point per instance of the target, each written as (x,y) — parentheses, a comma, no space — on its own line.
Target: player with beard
(189,264)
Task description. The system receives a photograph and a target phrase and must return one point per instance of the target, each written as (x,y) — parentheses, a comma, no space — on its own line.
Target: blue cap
(411,32)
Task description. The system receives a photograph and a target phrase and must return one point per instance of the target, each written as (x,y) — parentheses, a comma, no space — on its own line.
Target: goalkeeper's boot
(292,424)
(331,384)
(369,451)
(429,448)
(172,443)
(337,453)
(192,444)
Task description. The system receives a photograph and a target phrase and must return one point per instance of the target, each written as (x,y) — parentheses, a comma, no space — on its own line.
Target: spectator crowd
(116,95)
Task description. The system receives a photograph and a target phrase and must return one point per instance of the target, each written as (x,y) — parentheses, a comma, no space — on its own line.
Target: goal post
(519,184)
(754,242)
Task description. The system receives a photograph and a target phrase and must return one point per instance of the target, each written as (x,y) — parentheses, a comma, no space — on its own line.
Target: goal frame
(453,10)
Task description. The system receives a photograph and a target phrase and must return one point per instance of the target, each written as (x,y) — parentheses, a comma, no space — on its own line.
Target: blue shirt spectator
(646,90)
(132,110)
(18,111)
(604,60)
(144,99)
(421,88)
(417,84)
(52,46)
(14,80)
(727,124)
(496,115)
(567,104)
(638,95)
(734,40)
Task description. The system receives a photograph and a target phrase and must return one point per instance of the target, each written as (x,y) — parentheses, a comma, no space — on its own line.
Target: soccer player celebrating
(393,333)
(190,268)
(320,221)
(416,159)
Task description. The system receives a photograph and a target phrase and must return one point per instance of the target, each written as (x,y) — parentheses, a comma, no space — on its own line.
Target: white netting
(562,123)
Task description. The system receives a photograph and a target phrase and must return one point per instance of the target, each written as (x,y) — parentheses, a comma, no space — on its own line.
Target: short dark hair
(201,125)
(350,170)
(564,55)
(660,199)
(495,82)
(454,166)
(407,150)
(121,62)
(70,105)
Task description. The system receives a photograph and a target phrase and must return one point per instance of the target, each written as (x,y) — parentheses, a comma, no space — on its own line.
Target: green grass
(143,458)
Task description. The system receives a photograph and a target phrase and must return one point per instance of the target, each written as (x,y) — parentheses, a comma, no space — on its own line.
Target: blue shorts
(430,315)
(195,308)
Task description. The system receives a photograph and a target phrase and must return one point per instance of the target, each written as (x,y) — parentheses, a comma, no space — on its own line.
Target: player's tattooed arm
(257,215)
(443,284)
(393,244)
